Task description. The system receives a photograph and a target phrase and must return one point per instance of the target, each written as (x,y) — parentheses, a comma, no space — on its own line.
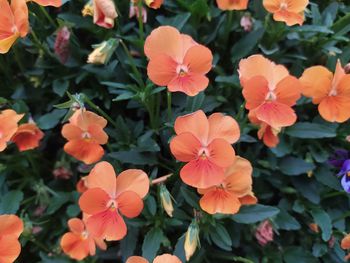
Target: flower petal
(219,201)
(108,225)
(130,204)
(71,132)
(135,259)
(94,201)
(10,248)
(232,5)
(195,123)
(55,3)
(224,127)
(276,114)
(191,84)
(221,153)
(76,225)
(134,180)
(74,246)
(167,258)
(290,18)
(199,59)
(161,69)
(103,176)
(85,151)
(288,91)
(10,225)
(97,133)
(335,109)
(185,147)
(345,243)
(316,83)
(255,91)
(202,174)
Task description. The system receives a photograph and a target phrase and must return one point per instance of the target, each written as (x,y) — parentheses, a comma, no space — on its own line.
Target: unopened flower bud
(314,228)
(347,68)
(247,22)
(61,46)
(165,198)
(102,52)
(155,4)
(191,239)
(264,233)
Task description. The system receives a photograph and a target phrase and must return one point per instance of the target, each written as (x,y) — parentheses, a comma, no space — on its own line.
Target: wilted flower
(264,233)
(155,4)
(191,239)
(102,52)
(165,198)
(62,173)
(39,211)
(8,126)
(247,22)
(61,46)
(27,137)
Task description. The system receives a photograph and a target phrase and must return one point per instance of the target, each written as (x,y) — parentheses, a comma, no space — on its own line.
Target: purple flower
(339,157)
(345,173)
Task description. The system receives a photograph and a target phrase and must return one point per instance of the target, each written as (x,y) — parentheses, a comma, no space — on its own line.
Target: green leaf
(50,120)
(246,44)
(323,220)
(221,237)
(177,21)
(129,242)
(295,166)
(134,157)
(151,205)
(307,130)
(151,243)
(286,222)
(255,213)
(60,86)
(191,198)
(10,202)
(298,254)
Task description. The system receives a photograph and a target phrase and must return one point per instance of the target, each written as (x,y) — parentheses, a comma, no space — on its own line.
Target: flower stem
(140,20)
(169,106)
(52,22)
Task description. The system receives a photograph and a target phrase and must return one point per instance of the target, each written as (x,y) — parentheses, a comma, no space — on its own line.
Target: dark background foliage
(293,182)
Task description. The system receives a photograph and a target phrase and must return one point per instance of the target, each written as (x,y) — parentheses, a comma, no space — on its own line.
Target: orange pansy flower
(78,243)
(85,136)
(55,3)
(345,244)
(8,126)
(104,13)
(235,190)
(27,136)
(330,92)
(13,23)
(205,144)
(177,61)
(109,196)
(232,4)
(289,11)
(165,258)
(11,228)
(270,92)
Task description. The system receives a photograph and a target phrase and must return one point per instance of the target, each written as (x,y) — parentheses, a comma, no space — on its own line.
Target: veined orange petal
(221,153)
(269,137)
(335,108)
(255,91)
(166,258)
(108,225)
(20,10)
(276,114)
(85,151)
(130,204)
(55,3)
(162,69)
(76,225)
(248,199)
(338,74)
(199,59)
(202,174)
(185,147)
(297,6)
(134,180)
(343,87)
(84,119)
(135,259)
(10,225)
(98,134)
(93,201)
(316,83)
(195,123)
(219,201)
(6,43)
(288,90)
(103,176)
(71,132)
(224,127)
(74,246)
(10,248)
(191,84)
(290,18)
(238,179)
